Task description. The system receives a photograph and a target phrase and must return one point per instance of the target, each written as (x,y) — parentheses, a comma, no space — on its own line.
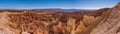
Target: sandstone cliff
(109,23)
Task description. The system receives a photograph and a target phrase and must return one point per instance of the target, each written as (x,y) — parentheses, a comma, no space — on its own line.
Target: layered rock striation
(109,23)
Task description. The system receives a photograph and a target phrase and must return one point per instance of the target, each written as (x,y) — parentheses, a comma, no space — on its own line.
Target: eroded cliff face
(43,23)
(109,23)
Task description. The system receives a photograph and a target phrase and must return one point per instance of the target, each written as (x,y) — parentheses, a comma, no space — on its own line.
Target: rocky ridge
(109,23)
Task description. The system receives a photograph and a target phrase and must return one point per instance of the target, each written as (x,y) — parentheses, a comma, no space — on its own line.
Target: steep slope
(109,22)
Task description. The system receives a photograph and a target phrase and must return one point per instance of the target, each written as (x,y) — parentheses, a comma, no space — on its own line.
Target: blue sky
(63,4)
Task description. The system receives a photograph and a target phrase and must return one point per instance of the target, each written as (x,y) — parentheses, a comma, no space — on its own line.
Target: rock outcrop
(109,23)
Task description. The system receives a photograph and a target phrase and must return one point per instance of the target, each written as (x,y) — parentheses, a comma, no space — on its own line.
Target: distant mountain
(65,10)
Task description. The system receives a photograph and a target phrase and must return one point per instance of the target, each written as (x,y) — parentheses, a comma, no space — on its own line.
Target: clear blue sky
(64,4)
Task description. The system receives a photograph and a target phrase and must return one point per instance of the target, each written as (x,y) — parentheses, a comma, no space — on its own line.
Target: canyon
(102,21)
